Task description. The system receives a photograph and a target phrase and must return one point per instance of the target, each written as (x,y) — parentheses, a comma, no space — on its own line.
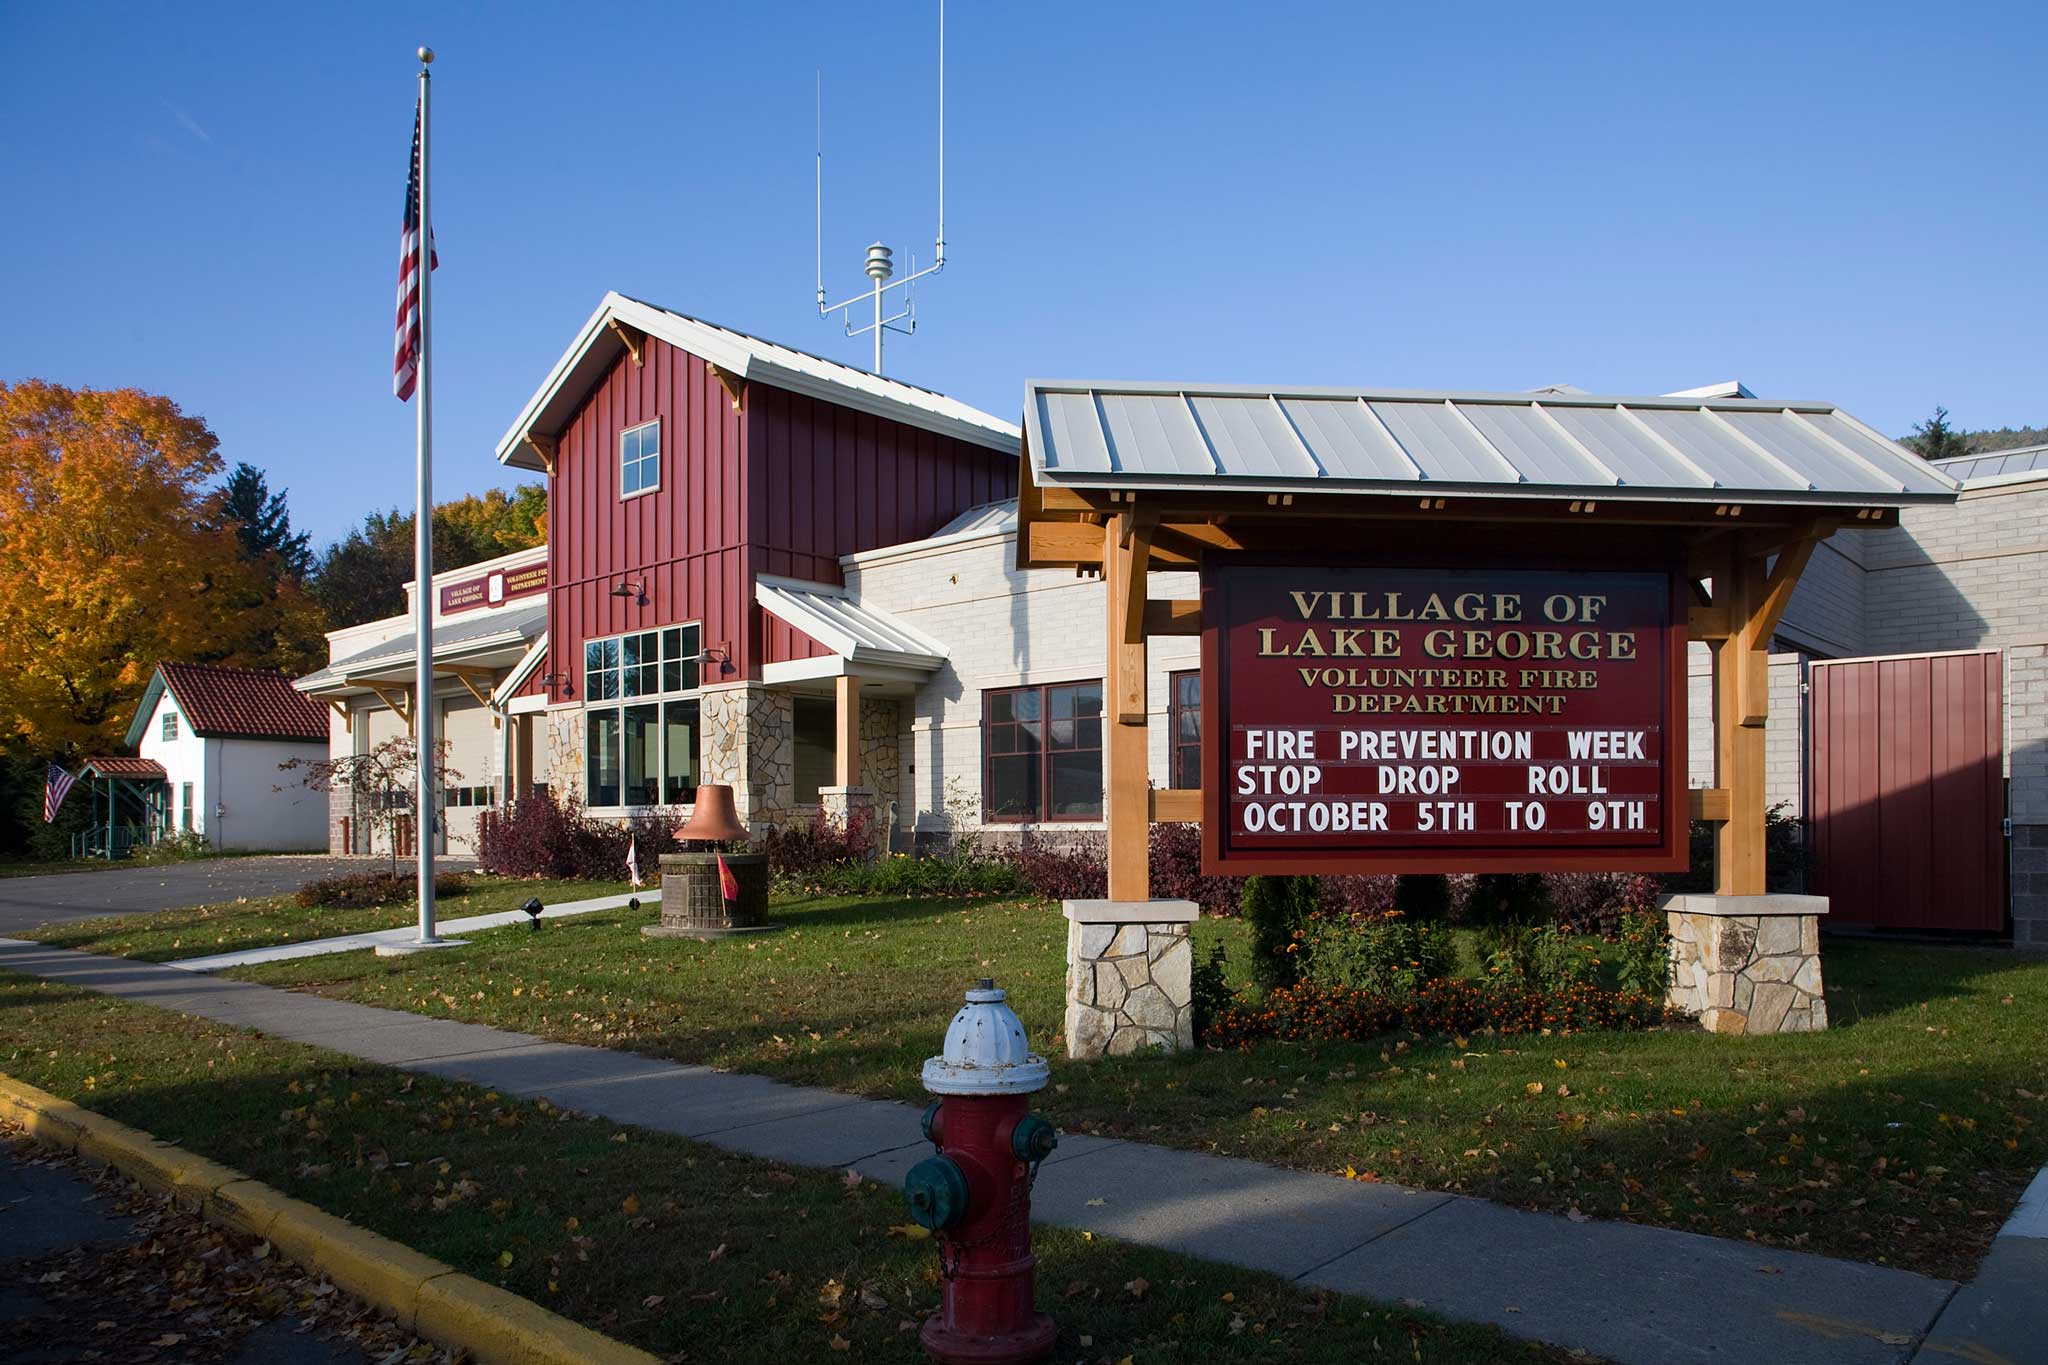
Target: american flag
(57,785)
(728,885)
(405,358)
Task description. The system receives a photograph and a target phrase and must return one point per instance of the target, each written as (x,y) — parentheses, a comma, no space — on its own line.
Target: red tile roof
(242,703)
(114,766)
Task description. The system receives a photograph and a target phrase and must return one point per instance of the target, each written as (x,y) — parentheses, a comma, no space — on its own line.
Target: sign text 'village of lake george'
(1363,718)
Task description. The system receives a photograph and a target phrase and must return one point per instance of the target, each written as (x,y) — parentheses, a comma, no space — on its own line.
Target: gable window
(641,750)
(1042,753)
(1185,766)
(640,459)
(170,727)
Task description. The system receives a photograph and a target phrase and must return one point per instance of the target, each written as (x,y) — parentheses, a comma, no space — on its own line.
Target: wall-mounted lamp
(633,589)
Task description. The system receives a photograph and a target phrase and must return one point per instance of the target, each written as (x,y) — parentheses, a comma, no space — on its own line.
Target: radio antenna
(880,263)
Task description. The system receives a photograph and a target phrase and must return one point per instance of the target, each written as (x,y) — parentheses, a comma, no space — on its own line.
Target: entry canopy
(1394,441)
(499,640)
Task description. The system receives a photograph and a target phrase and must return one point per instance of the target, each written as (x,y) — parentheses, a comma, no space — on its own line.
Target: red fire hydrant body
(975,1193)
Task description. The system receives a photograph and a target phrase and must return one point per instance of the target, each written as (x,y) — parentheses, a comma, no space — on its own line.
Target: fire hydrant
(975,1194)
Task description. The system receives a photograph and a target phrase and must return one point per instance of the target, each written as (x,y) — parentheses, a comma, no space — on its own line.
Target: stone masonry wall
(1746,973)
(749,743)
(561,763)
(1129,988)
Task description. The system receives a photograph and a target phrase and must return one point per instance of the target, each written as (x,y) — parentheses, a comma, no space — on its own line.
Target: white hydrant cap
(985,1051)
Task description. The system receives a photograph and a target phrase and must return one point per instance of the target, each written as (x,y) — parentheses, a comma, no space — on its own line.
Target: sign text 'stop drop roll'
(1407,719)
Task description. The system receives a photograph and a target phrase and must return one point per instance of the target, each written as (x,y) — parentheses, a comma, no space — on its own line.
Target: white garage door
(472,763)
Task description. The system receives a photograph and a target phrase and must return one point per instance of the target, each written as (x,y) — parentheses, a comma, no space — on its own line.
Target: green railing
(119,842)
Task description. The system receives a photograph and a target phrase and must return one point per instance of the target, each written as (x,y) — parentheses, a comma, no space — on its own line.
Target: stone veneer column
(562,733)
(1130,968)
(1747,964)
(749,744)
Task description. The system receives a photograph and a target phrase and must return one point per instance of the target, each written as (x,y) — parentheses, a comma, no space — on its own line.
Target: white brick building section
(1001,628)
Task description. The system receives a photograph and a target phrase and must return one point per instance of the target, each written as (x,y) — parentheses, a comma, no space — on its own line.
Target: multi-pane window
(1185,718)
(644,752)
(170,730)
(185,805)
(640,459)
(1042,752)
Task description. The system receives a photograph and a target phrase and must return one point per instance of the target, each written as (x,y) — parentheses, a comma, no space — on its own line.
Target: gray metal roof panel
(1666,447)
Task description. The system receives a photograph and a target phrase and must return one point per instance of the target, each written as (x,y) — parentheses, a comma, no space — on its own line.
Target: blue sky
(1841,202)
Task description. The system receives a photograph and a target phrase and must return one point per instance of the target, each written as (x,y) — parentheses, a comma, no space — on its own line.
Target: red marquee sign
(1370,718)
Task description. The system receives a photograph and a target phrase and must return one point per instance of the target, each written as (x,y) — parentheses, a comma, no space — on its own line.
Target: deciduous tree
(113,556)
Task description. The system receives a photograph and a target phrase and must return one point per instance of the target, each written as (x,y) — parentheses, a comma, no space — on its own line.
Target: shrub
(1386,953)
(1559,961)
(538,837)
(1279,910)
(1784,854)
(1423,897)
(1507,898)
(1508,952)
(359,890)
(1359,893)
(1176,854)
(1311,1012)
(1064,871)
(1642,952)
(900,874)
(803,851)
(1590,902)
(181,847)
(1209,991)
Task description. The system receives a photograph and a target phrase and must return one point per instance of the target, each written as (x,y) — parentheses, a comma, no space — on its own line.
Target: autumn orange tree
(113,555)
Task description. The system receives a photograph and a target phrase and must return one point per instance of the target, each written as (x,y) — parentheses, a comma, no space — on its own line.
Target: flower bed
(1316,1013)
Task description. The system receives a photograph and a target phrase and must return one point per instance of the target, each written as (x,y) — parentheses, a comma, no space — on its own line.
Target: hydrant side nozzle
(1033,1139)
(929,1124)
(936,1192)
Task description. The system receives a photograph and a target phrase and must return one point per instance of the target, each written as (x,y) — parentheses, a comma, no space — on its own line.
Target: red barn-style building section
(703,486)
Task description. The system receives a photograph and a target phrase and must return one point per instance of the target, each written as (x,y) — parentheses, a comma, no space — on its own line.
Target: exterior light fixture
(633,589)
(533,907)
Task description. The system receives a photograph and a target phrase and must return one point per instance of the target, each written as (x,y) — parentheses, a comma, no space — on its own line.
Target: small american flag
(405,359)
(728,885)
(57,785)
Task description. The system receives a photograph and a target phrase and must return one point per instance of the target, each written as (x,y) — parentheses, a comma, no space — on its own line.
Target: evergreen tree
(1935,439)
(262,522)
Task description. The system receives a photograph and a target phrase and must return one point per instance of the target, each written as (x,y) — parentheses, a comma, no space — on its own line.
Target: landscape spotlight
(533,907)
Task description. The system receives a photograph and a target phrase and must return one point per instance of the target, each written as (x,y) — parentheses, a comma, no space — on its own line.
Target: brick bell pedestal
(1747,964)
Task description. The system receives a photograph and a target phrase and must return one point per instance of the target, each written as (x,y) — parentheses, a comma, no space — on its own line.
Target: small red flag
(728,885)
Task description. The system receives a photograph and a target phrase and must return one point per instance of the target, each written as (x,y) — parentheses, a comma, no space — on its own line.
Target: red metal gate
(1908,791)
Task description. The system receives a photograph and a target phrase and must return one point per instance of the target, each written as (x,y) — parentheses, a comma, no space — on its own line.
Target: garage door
(472,760)
(1907,768)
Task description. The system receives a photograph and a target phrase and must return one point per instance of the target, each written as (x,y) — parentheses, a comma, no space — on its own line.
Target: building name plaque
(494,589)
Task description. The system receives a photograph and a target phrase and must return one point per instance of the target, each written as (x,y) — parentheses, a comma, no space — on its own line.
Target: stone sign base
(1748,964)
(1129,977)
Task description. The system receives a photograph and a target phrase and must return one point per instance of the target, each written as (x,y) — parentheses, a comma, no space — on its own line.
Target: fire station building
(774,571)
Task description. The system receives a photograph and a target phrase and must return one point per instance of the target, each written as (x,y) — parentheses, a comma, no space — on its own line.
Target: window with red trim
(1042,753)
(1184,718)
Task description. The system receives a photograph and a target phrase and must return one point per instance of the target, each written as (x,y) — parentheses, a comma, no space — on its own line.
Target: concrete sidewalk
(1642,1295)
(454,928)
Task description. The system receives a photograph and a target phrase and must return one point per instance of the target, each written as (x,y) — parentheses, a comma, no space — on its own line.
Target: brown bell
(715,819)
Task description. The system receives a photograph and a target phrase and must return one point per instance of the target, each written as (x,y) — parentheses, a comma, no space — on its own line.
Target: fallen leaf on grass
(1137,1288)
(910,1232)
(630,1205)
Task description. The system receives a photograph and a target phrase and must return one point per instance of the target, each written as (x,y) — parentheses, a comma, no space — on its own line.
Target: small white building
(217,738)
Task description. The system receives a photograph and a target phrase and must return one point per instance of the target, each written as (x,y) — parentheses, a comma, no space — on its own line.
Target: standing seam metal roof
(1662,448)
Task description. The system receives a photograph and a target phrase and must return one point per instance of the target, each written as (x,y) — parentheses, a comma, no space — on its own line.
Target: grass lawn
(671,1245)
(259,922)
(1903,1135)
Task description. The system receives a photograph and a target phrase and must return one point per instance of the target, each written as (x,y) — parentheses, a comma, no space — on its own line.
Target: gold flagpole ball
(427,55)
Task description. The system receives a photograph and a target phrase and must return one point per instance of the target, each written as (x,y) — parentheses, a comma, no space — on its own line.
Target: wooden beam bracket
(1176,805)
(1173,616)
(1709,804)
(543,446)
(735,387)
(634,340)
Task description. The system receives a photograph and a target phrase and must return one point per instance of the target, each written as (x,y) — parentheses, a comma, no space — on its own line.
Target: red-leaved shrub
(1072,869)
(538,837)
(804,849)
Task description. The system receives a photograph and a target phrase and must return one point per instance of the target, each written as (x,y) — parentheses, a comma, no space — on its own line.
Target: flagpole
(423,539)
(423,561)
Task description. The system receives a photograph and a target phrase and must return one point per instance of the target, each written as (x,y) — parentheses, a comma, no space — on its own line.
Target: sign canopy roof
(1681,448)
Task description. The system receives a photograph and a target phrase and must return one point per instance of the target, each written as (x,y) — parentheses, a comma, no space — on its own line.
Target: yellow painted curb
(438,1302)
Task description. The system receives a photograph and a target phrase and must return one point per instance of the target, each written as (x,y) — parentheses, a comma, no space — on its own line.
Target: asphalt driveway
(26,902)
